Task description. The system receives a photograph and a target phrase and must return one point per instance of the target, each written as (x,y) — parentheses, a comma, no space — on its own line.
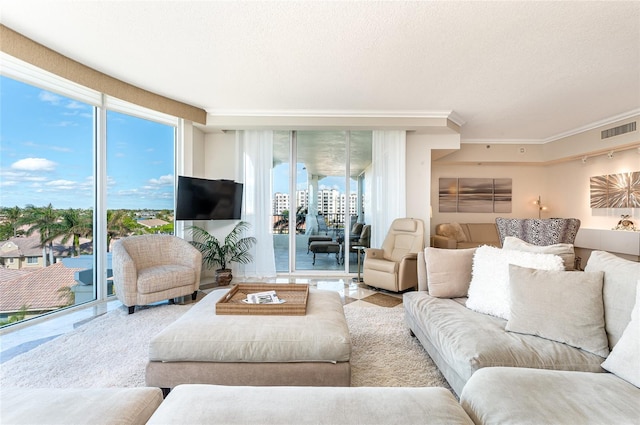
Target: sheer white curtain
(256,153)
(388,183)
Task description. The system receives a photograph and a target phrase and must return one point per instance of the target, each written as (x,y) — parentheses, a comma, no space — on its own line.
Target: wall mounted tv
(203,199)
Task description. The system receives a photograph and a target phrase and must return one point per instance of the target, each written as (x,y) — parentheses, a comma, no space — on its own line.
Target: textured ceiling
(512,71)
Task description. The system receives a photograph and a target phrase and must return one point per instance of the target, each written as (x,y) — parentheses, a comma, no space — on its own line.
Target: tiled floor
(16,342)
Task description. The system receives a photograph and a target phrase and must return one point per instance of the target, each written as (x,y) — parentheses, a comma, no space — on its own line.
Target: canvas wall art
(474,195)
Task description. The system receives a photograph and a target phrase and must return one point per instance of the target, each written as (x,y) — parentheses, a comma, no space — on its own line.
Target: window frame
(26,73)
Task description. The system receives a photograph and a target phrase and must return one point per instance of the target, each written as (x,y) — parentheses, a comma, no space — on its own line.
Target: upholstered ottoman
(325,247)
(208,404)
(202,347)
(52,406)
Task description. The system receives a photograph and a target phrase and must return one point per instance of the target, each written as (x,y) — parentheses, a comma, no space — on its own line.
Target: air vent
(616,131)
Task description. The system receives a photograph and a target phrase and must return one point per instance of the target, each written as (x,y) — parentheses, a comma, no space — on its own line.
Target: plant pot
(223,277)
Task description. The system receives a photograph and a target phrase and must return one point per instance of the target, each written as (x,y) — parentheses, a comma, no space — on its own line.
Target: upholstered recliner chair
(151,268)
(393,266)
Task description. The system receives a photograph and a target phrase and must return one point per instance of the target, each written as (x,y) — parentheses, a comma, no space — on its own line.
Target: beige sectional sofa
(518,376)
(502,373)
(465,235)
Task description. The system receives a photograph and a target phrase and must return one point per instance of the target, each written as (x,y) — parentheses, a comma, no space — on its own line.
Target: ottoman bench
(316,238)
(96,406)
(325,247)
(209,404)
(202,347)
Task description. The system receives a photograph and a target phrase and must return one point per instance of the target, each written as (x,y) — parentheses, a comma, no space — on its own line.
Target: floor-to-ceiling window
(318,198)
(78,170)
(140,177)
(46,200)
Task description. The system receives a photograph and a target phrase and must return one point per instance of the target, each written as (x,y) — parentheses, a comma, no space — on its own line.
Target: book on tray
(266,297)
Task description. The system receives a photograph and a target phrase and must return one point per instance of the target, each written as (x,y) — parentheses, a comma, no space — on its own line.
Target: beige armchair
(151,268)
(394,266)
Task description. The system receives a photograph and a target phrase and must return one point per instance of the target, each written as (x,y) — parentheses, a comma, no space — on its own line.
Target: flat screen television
(203,199)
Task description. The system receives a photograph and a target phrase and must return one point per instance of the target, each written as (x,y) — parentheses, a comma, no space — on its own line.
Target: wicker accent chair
(151,268)
(542,232)
(394,266)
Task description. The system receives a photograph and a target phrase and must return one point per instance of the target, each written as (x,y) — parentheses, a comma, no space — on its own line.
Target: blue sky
(46,153)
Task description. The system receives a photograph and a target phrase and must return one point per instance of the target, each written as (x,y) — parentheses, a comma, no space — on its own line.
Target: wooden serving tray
(295,296)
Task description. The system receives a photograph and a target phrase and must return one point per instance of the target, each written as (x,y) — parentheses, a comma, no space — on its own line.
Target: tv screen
(203,199)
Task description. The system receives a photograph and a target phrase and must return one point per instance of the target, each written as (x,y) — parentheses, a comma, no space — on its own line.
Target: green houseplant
(216,253)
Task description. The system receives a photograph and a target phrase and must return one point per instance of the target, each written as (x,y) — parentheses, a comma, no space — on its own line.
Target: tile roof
(11,274)
(152,222)
(38,290)
(21,247)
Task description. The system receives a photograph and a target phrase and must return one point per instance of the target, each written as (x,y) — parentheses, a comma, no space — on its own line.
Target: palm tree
(118,225)
(74,224)
(283,223)
(44,220)
(13,215)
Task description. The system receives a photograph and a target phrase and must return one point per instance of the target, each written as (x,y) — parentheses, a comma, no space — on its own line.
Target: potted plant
(215,253)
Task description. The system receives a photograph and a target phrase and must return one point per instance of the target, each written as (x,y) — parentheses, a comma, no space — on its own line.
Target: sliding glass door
(315,200)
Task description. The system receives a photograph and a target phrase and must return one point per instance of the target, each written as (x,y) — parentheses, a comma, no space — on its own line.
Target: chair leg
(132,308)
(194,295)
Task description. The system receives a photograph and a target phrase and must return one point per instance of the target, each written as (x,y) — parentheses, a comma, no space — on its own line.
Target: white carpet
(112,351)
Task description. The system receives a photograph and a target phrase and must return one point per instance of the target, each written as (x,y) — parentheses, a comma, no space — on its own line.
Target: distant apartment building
(331,202)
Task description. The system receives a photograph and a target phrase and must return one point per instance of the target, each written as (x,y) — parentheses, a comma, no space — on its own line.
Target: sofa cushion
(563,250)
(624,360)
(161,278)
(108,406)
(467,341)
(533,396)
(561,306)
(483,232)
(453,231)
(448,271)
(489,288)
(619,292)
(235,405)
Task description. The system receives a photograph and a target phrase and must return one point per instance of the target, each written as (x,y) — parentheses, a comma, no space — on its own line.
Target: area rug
(383,300)
(112,351)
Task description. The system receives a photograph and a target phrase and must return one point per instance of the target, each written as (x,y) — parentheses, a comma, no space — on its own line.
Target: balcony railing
(281,223)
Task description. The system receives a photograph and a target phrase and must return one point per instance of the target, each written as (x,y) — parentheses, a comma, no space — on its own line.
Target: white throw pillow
(489,288)
(564,250)
(624,360)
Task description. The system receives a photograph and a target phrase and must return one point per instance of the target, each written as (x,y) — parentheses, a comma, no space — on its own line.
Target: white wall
(563,187)
(568,191)
(527,182)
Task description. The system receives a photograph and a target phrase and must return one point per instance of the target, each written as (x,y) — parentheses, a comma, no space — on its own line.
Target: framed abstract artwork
(615,190)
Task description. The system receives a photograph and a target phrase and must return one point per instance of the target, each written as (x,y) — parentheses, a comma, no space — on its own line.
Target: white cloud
(162,180)
(34,164)
(62,184)
(51,98)
(75,105)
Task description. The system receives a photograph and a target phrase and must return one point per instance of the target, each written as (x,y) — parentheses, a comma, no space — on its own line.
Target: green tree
(74,224)
(283,223)
(43,220)
(119,224)
(12,216)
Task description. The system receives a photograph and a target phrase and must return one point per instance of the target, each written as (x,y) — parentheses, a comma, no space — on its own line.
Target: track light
(584,159)
(610,155)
